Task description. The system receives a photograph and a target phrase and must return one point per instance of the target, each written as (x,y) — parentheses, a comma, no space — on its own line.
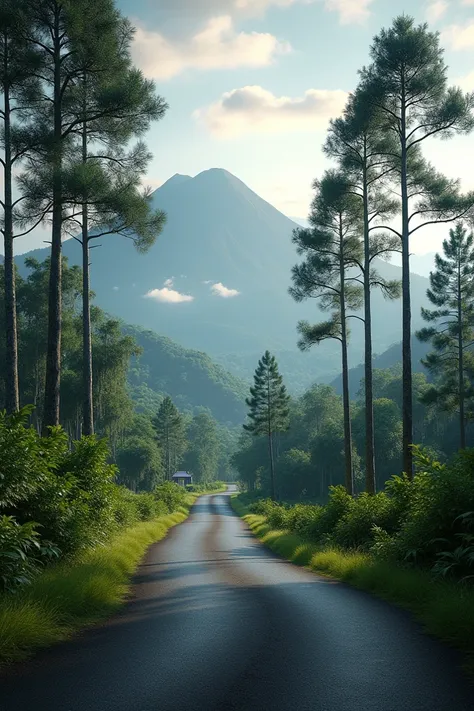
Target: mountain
(189,377)
(217,280)
(390,357)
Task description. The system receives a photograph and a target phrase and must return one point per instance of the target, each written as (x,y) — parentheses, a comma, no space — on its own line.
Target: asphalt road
(217,622)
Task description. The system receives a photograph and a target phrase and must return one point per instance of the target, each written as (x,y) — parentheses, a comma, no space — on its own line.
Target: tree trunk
(462,420)
(272,466)
(370,480)
(12,398)
(88,406)
(53,357)
(349,477)
(407,405)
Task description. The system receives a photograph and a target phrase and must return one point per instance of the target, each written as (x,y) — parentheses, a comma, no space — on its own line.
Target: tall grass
(69,596)
(445,609)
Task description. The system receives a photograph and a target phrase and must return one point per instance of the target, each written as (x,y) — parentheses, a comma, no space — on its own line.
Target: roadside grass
(73,595)
(444,608)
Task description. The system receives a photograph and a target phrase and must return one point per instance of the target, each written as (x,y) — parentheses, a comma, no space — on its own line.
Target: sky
(252,84)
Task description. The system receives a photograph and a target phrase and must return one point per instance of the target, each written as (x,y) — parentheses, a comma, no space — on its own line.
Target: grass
(70,596)
(445,609)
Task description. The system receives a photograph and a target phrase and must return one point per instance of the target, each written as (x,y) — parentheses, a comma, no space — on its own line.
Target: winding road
(218,622)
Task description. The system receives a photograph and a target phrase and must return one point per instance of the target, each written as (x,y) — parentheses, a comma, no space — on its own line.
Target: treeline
(310,456)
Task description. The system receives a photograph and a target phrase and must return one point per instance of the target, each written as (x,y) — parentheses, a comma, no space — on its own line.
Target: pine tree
(18,65)
(332,247)
(452,335)
(171,435)
(268,407)
(407,83)
(363,149)
(107,176)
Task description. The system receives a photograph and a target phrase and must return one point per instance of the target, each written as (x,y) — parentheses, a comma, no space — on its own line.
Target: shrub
(21,553)
(356,527)
(172,495)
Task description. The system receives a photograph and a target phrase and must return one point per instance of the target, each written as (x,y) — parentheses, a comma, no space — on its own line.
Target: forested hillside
(191,378)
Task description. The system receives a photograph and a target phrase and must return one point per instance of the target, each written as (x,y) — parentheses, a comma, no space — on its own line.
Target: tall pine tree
(332,247)
(407,82)
(171,435)
(268,407)
(452,332)
(363,150)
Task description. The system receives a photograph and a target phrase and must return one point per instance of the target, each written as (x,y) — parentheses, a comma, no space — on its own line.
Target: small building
(182,478)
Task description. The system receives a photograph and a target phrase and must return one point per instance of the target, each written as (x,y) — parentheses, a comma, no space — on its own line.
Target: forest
(84,448)
(390,472)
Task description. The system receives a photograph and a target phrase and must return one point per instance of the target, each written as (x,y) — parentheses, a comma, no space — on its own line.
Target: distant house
(182,478)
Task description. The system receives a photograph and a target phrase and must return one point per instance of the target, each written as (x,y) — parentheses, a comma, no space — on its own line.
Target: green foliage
(21,553)
(268,401)
(171,495)
(170,434)
(202,457)
(452,335)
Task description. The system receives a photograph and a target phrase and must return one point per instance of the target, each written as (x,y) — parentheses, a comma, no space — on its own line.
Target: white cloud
(115,288)
(217,46)
(254,109)
(220,290)
(349,10)
(436,10)
(208,281)
(459,37)
(168,296)
(169,282)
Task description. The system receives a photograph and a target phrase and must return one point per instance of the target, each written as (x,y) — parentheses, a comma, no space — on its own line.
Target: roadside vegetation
(412,544)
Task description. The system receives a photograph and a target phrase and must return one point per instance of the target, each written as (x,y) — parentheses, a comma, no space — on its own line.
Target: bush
(172,495)
(365,515)
(21,553)
(439,496)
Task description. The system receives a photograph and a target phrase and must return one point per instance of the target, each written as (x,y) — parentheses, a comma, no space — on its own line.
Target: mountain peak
(176,179)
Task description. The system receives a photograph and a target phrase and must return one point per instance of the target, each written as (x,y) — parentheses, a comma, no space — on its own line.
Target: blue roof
(182,475)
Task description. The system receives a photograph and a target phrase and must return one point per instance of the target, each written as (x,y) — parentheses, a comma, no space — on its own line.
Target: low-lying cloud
(218,46)
(254,109)
(220,290)
(168,295)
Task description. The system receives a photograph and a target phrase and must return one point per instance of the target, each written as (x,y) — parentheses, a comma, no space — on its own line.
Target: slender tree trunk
(53,358)
(270,441)
(12,398)
(370,480)
(349,477)
(407,406)
(88,406)
(462,420)
(272,465)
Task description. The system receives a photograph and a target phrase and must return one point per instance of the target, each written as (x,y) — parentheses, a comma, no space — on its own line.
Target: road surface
(218,622)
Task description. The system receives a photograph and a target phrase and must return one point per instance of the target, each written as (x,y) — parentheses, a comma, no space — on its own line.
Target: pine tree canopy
(268,402)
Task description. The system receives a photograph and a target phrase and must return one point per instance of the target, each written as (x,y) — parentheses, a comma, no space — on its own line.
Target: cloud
(220,290)
(254,109)
(115,288)
(169,282)
(207,281)
(459,37)
(348,10)
(168,296)
(466,82)
(217,46)
(436,10)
